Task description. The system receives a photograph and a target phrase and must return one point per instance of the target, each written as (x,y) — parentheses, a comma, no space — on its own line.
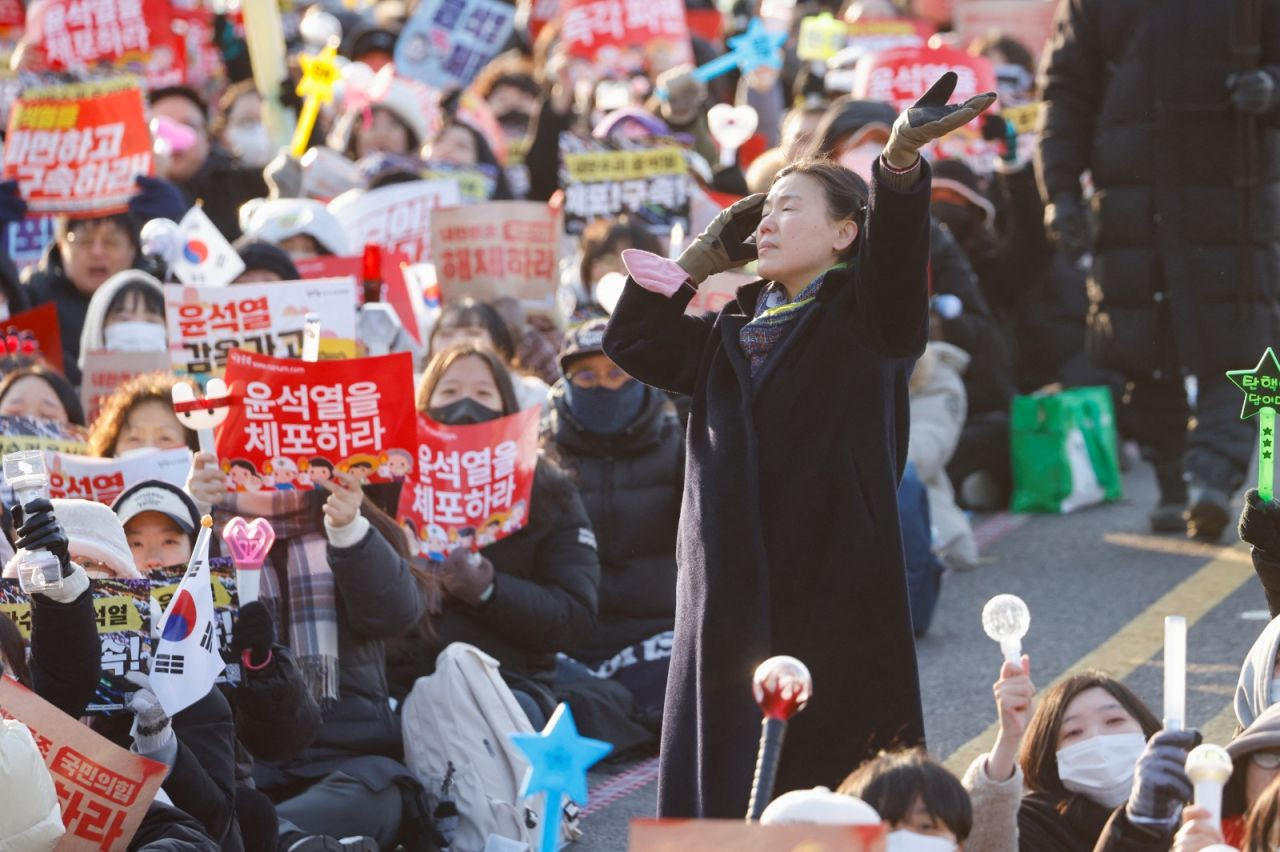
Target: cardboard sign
(77,149)
(26,240)
(104,372)
(104,790)
(1028,21)
(122,610)
(499,248)
(627,33)
(86,478)
(76,35)
(447,42)
(395,286)
(295,422)
(41,323)
(226,604)
(650,182)
(396,218)
(712,835)
(475,477)
(206,323)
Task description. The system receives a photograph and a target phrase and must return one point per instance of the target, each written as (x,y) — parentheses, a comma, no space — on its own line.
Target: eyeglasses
(111,242)
(612,378)
(1266,759)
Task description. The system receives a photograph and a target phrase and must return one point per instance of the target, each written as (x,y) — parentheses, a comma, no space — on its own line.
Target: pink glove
(654,273)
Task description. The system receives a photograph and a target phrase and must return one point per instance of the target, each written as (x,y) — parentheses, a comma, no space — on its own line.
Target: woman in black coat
(789,539)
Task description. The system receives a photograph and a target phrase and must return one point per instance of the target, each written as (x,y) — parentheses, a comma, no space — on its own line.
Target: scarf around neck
(775,316)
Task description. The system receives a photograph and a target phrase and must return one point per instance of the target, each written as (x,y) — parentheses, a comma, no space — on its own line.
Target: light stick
(202,414)
(1260,386)
(1209,768)
(1005,618)
(249,542)
(1175,672)
(782,687)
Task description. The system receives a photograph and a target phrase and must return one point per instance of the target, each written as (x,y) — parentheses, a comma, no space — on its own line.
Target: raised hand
(723,245)
(931,118)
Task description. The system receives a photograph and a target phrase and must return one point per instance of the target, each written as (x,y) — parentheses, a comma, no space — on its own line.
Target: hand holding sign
(466,575)
(1261,387)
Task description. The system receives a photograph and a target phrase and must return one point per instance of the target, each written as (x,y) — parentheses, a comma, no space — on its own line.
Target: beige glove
(931,118)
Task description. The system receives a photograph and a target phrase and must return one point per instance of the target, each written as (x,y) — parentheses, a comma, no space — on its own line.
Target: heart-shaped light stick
(731,126)
(249,543)
(202,414)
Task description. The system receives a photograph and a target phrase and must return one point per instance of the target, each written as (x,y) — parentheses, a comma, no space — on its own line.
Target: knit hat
(368,39)
(95,532)
(960,179)
(819,806)
(414,103)
(31,819)
(276,220)
(586,339)
(262,255)
(1253,692)
(154,495)
(650,123)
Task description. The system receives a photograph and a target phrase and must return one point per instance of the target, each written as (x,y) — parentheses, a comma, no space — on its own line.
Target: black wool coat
(789,541)
(1136,93)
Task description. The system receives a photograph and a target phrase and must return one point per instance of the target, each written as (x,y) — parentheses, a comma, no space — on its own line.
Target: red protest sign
(627,33)
(679,835)
(902,74)
(477,477)
(41,324)
(294,422)
(499,248)
(1028,21)
(75,34)
(104,790)
(77,149)
(395,289)
(13,16)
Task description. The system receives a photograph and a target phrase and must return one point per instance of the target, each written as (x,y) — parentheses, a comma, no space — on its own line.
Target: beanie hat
(650,123)
(95,532)
(31,819)
(276,220)
(154,495)
(960,179)
(585,339)
(413,103)
(1253,692)
(1262,735)
(262,255)
(819,806)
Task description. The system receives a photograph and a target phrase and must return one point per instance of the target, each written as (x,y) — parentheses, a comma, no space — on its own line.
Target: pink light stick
(249,542)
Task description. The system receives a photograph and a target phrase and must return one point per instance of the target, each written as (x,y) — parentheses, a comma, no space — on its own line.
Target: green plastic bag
(1065,453)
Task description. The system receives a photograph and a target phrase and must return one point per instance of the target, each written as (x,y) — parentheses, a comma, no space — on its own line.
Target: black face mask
(463,412)
(515,122)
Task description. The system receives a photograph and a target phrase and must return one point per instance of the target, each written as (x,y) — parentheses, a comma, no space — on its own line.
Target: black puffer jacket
(631,485)
(1136,93)
(546,582)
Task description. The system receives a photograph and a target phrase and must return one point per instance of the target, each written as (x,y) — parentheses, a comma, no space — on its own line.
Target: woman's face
(1263,767)
(454,146)
(32,396)
(300,247)
(1093,713)
(156,541)
(467,378)
(93,252)
(602,266)
(919,820)
(385,134)
(258,276)
(151,424)
(446,337)
(133,309)
(797,239)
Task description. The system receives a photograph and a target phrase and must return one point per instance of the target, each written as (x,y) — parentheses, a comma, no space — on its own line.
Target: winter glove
(1260,524)
(283,176)
(1067,225)
(684,94)
(931,118)
(466,575)
(254,632)
(13,207)
(1160,782)
(152,730)
(1253,91)
(38,529)
(996,129)
(158,199)
(723,245)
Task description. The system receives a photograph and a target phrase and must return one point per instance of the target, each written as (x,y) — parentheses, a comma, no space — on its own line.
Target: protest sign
(870,35)
(295,422)
(649,180)
(475,183)
(105,371)
(226,603)
(36,433)
(476,477)
(618,33)
(104,790)
(499,248)
(680,835)
(26,240)
(76,35)
(205,323)
(77,149)
(1028,21)
(393,285)
(86,478)
(446,42)
(41,324)
(396,218)
(123,614)
(13,18)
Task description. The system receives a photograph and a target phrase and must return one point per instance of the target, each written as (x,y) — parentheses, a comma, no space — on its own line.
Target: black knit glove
(254,631)
(1160,783)
(38,529)
(1260,524)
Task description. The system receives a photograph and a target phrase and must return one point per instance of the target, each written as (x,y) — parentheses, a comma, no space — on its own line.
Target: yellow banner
(596,166)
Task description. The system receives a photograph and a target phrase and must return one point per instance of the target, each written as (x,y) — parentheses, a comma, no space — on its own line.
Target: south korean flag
(186,661)
(199,256)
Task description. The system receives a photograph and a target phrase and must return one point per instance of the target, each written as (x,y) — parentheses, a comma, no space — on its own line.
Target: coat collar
(747,296)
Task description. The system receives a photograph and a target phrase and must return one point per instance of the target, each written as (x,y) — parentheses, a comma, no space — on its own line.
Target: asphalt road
(1098,586)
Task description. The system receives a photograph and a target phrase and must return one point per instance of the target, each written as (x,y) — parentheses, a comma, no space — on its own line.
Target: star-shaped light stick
(558,762)
(319,73)
(1261,387)
(754,48)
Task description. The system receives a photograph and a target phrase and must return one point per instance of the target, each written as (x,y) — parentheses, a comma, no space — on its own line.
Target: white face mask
(135,336)
(1101,767)
(858,160)
(1274,694)
(910,841)
(250,143)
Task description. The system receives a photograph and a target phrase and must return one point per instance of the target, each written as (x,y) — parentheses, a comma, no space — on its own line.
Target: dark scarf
(775,316)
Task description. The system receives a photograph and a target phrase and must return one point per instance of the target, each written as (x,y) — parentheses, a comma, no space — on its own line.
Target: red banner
(606,31)
(293,422)
(75,34)
(41,324)
(475,477)
(903,74)
(77,149)
(395,289)
(670,835)
(104,790)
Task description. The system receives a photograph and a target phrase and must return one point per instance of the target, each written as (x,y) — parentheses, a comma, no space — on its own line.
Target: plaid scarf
(775,315)
(311,603)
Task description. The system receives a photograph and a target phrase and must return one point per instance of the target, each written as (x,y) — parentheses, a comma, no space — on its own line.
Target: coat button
(1157,218)
(1157,374)
(1158,297)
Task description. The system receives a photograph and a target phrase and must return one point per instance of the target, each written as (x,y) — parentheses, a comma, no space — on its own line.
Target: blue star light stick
(754,48)
(1261,397)
(558,762)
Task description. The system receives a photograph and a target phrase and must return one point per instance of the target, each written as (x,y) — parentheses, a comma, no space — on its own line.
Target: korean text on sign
(77,149)
(600,182)
(496,249)
(80,33)
(447,42)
